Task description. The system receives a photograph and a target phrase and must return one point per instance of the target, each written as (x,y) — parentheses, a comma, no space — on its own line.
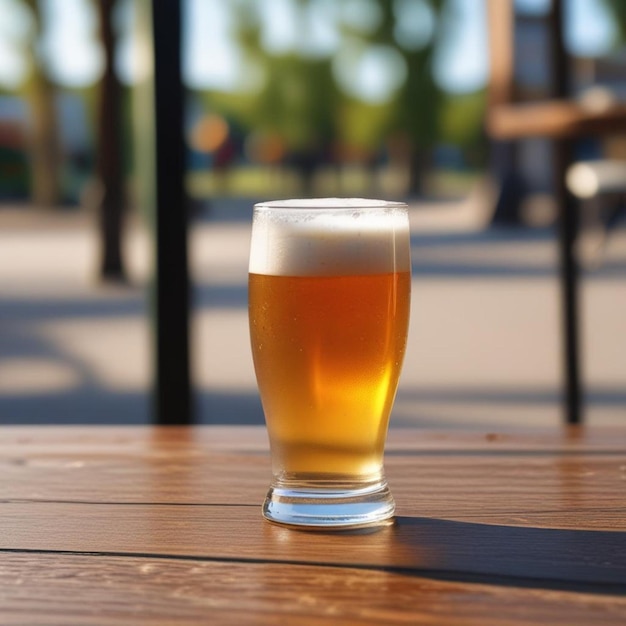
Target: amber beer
(329,293)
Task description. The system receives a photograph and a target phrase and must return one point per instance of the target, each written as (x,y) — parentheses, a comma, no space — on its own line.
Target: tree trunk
(110,198)
(44,148)
(419,165)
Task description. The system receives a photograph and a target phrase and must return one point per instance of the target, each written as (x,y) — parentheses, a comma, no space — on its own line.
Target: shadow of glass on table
(544,558)
(562,559)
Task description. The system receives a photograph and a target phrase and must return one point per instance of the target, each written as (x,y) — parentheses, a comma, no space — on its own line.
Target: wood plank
(517,481)
(223,478)
(584,492)
(556,119)
(461,550)
(202,440)
(579,491)
(93,513)
(85,590)
(512,480)
(157,441)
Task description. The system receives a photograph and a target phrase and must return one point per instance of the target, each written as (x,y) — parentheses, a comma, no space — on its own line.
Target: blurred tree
(107,194)
(418,101)
(40,94)
(297,99)
(617,8)
(462,125)
(299,104)
(109,197)
(315,104)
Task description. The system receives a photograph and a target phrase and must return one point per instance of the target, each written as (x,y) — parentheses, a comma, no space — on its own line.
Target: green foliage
(363,125)
(300,99)
(461,118)
(617,8)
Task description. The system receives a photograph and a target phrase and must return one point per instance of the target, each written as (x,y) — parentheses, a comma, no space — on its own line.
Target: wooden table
(162,525)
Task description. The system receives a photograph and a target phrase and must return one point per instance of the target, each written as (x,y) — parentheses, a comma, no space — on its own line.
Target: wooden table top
(162,525)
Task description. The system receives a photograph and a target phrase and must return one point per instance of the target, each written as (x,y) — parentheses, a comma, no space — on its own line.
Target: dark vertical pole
(569,279)
(110,197)
(568,227)
(171,281)
(504,155)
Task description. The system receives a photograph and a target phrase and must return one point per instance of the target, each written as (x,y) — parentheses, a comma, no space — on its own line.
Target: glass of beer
(329,296)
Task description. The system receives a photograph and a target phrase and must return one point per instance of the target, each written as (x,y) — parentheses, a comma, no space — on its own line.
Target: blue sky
(211,60)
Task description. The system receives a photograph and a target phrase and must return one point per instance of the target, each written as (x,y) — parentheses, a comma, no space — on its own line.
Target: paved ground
(483,352)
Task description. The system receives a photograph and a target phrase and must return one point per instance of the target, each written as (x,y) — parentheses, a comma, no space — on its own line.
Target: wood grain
(559,479)
(198,440)
(465,551)
(70,589)
(162,525)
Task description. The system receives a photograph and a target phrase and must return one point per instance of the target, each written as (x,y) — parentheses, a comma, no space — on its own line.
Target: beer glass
(329,295)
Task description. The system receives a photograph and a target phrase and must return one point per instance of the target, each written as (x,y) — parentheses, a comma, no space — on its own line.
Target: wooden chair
(562,120)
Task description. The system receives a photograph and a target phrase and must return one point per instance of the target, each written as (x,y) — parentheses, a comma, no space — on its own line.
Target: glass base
(329,507)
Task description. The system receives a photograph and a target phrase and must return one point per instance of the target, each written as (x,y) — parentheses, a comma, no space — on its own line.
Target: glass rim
(330,204)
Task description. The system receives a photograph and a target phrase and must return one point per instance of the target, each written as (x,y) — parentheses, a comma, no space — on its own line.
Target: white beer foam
(328,238)
(329,203)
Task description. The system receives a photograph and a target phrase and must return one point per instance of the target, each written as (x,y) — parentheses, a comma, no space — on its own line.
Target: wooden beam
(555,119)
(500,17)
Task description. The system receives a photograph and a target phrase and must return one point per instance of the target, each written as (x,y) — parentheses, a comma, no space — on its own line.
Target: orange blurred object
(210,133)
(265,148)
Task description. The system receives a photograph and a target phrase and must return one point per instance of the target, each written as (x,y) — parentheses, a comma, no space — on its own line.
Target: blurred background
(302,98)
